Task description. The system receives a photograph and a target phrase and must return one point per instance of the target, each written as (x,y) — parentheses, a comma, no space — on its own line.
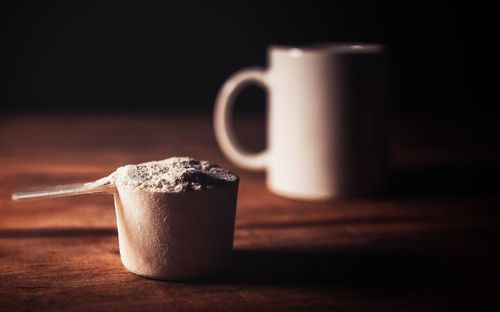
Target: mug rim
(322,48)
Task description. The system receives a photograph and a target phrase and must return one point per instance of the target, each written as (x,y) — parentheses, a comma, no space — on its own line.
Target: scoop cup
(165,235)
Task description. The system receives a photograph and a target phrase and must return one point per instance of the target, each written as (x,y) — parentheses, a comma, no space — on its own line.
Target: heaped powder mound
(175,174)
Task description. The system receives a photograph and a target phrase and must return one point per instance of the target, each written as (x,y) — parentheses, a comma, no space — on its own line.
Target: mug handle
(223,123)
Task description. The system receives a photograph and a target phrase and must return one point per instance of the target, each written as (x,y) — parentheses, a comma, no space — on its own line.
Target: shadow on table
(372,270)
(444,181)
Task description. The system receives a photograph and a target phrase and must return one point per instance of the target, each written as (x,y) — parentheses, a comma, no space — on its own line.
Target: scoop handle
(65,190)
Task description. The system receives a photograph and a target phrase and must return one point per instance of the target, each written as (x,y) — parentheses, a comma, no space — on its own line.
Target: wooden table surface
(430,243)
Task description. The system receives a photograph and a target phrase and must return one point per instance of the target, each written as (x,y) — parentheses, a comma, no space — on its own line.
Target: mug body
(175,236)
(327,126)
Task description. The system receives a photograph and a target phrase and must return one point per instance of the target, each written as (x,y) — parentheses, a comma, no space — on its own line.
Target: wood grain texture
(430,243)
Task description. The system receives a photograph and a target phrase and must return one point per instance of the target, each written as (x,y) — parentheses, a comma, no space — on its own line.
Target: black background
(165,55)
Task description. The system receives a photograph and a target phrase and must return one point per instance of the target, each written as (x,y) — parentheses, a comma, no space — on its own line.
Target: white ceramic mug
(326,124)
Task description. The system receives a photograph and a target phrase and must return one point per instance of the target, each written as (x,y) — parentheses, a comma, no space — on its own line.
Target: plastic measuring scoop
(163,235)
